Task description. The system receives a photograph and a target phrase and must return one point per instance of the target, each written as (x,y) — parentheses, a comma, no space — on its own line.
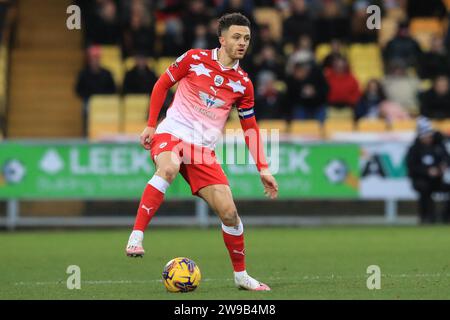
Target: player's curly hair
(230,19)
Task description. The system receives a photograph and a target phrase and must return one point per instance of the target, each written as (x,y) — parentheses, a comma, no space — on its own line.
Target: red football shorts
(199,166)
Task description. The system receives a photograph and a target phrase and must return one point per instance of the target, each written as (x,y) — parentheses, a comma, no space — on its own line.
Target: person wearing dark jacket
(435,103)
(93,79)
(140,79)
(307,91)
(427,160)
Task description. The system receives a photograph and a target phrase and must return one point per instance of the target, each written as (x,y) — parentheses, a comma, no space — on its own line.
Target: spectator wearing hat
(427,160)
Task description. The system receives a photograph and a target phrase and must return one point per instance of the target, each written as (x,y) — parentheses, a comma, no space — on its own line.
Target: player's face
(235,41)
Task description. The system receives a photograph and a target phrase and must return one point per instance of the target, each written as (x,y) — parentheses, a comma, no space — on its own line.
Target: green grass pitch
(298,263)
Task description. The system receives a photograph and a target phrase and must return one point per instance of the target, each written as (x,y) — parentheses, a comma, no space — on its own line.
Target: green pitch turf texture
(298,263)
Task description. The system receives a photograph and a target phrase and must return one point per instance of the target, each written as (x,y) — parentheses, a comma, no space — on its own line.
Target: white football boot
(244,281)
(134,246)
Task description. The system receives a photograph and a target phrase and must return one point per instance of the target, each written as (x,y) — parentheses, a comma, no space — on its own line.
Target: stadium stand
(424,29)
(45,60)
(371,125)
(111,59)
(135,113)
(403,125)
(105,117)
(331,127)
(310,128)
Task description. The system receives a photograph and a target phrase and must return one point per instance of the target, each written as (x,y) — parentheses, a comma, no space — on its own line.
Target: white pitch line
(307,277)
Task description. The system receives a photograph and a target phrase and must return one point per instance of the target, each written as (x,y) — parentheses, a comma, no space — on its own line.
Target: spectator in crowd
(298,23)
(103,26)
(263,39)
(435,103)
(140,79)
(435,61)
(302,51)
(307,91)
(333,20)
(401,87)
(337,51)
(268,60)
(344,88)
(139,35)
(402,47)
(429,8)
(200,39)
(267,96)
(243,6)
(427,160)
(93,79)
(195,19)
(374,104)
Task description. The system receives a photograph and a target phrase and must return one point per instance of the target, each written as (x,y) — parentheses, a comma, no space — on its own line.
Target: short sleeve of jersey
(246,103)
(180,67)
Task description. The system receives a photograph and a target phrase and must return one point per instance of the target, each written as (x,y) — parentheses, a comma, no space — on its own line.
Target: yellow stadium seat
(366,62)
(135,112)
(331,127)
(371,125)
(134,128)
(162,64)
(423,29)
(322,50)
(280,125)
(111,59)
(397,14)
(334,113)
(442,125)
(306,128)
(271,17)
(388,30)
(403,125)
(104,116)
(136,106)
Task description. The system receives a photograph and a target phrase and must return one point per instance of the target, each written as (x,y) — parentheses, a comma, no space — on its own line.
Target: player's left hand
(269,183)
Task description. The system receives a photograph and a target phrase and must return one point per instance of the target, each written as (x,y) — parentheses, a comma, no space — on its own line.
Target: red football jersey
(205,95)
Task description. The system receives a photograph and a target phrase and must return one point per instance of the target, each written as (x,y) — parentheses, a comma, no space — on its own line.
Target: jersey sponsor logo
(210,101)
(218,80)
(205,112)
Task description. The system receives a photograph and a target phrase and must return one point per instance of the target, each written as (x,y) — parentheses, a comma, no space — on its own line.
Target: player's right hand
(146,137)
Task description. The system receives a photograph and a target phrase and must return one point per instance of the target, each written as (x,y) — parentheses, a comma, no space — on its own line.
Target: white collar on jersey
(215,57)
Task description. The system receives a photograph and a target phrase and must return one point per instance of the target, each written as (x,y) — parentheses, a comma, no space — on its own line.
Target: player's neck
(225,59)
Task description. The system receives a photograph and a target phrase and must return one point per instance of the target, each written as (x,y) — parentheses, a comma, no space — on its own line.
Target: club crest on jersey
(218,80)
(210,101)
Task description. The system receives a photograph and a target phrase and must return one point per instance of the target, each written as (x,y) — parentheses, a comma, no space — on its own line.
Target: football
(181,275)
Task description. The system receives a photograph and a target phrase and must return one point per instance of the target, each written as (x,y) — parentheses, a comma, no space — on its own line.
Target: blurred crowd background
(309,59)
(313,60)
(319,74)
